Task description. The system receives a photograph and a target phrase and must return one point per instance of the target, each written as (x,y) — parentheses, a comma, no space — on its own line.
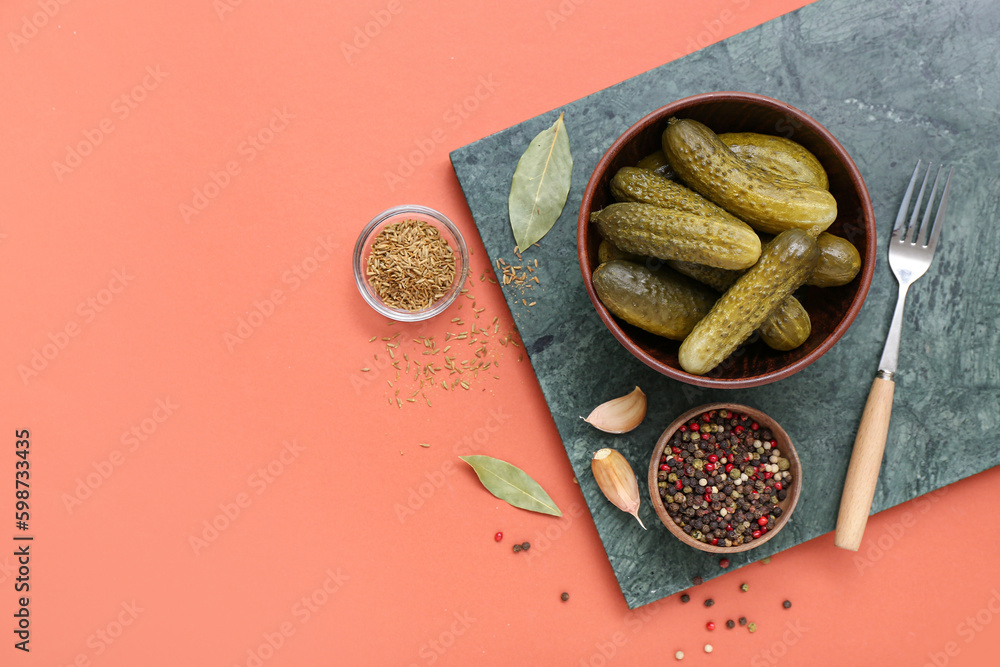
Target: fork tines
(918,234)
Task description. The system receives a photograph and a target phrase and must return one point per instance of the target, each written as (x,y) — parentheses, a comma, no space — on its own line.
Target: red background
(111,348)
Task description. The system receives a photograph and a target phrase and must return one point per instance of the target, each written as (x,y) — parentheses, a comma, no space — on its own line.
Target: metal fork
(911,249)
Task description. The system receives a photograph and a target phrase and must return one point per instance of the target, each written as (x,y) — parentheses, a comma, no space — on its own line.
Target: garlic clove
(619,415)
(616,480)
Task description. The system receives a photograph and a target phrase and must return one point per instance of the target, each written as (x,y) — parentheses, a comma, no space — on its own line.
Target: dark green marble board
(893,81)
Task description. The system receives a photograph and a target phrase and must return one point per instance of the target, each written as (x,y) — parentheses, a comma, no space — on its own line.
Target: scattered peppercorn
(765,560)
(730,624)
(685,598)
(708,648)
(679,655)
(710,625)
(752,627)
(564,597)
(709,602)
(525,546)
(787,604)
(498,537)
(517,547)
(724,563)
(743,620)
(697,581)
(744,587)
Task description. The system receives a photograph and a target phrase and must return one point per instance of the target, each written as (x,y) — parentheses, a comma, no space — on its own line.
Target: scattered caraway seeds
(564,597)
(424,444)
(743,620)
(787,604)
(730,624)
(482,353)
(765,560)
(685,598)
(411,265)
(744,587)
(679,655)
(752,627)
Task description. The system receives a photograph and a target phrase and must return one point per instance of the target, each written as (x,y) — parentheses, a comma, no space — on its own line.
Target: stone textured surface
(893,81)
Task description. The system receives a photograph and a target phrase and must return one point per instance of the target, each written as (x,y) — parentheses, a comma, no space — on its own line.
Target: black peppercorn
(730,624)
(709,602)
(517,547)
(787,604)
(564,597)
(697,581)
(743,620)
(525,546)
(685,598)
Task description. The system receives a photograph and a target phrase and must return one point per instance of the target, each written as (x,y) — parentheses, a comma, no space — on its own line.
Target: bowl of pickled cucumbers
(727,240)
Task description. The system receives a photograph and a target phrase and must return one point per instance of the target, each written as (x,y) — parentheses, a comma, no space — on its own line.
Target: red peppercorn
(763,530)
(682,428)
(675,450)
(708,496)
(729,527)
(762,521)
(705,417)
(715,540)
(729,466)
(710,625)
(724,563)
(498,537)
(695,426)
(774,443)
(709,466)
(738,429)
(768,475)
(756,534)
(754,426)
(678,485)
(744,417)
(664,466)
(777,486)
(713,458)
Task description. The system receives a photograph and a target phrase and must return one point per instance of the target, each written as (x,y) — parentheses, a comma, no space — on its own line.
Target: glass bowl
(448,231)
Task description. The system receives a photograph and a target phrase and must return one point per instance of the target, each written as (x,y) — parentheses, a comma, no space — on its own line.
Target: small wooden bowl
(831,309)
(784,444)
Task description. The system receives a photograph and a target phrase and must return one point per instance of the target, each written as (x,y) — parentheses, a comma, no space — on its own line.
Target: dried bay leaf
(540,185)
(511,484)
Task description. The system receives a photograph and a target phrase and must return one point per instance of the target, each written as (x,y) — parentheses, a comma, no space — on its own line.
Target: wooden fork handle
(866,459)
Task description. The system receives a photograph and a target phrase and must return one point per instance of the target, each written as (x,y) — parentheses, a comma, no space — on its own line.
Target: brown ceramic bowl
(831,309)
(784,445)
